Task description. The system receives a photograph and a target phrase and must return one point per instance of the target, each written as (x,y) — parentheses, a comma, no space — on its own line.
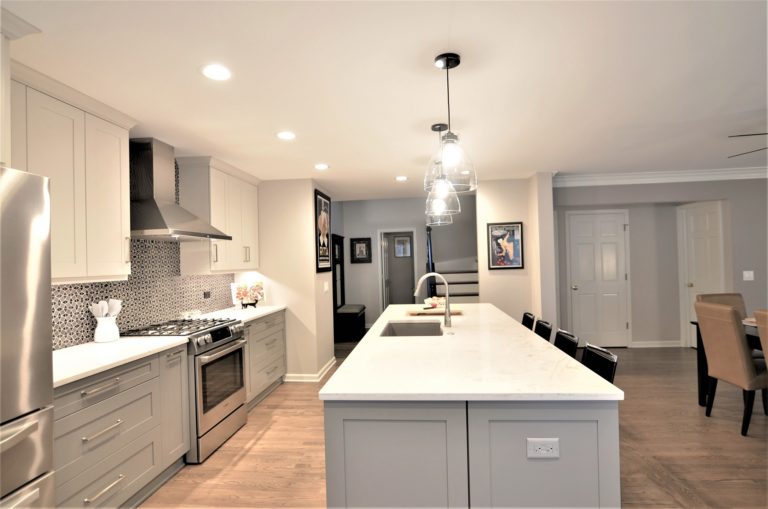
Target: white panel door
(107,198)
(55,149)
(219,219)
(702,269)
(250,226)
(597,271)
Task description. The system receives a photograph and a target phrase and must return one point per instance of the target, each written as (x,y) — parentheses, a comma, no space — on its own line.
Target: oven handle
(205,359)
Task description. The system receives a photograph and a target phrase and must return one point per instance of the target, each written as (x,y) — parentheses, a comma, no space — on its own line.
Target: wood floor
(671,454)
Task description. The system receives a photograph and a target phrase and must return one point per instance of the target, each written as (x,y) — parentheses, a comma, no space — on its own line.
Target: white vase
(106,329)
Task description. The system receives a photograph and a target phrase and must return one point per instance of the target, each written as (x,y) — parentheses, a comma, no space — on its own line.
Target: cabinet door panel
(55,149)
(18,126)
(175,404)
(236,255)
(250,227)
(219,248)
(107,198)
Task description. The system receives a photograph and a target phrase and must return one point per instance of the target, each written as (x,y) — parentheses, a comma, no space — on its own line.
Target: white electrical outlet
(748,275)
(543,447)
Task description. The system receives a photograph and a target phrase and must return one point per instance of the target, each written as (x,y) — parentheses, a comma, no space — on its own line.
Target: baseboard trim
(300,377)
(656,344)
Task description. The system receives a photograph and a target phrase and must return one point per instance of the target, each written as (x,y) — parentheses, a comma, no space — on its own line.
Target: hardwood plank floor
(671,454)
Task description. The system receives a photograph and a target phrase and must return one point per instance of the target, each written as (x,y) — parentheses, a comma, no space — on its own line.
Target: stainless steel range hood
(154,212)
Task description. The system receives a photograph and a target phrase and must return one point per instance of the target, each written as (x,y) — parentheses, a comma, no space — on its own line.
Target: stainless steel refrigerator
(26,380)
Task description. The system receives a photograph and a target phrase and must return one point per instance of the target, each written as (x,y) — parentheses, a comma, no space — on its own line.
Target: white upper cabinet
(86,159)
(225,196)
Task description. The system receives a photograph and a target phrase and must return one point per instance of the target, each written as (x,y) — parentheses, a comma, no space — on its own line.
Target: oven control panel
(205,341)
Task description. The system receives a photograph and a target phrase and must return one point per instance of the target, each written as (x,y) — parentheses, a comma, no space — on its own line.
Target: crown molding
(656,177)
(13,27)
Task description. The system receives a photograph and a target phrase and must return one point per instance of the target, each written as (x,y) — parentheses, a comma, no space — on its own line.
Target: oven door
(219,386)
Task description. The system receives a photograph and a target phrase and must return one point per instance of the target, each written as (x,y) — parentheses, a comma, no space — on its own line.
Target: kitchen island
(488,414)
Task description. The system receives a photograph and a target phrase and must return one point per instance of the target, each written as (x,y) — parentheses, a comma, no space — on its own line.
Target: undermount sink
(430,328)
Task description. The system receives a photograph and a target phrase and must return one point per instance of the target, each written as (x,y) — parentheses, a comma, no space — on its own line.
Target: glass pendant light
(450,161)
(442,199)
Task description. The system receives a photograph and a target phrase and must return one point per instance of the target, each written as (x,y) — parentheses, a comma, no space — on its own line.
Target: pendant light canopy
(442,199)
(450,162)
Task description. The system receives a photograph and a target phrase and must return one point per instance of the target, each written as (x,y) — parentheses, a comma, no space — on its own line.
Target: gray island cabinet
(485,415)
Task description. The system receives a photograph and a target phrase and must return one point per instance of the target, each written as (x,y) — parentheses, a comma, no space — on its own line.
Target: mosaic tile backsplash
(154,292)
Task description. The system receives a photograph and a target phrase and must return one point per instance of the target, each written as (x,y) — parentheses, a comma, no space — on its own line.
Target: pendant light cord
(448,89)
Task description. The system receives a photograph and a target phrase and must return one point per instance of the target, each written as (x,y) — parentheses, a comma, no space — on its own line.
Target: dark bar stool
(528,319)
(600,360)
(567,342)
(543,329)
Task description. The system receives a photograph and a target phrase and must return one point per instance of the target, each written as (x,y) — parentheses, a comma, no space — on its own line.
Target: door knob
(690,285)
(575,287)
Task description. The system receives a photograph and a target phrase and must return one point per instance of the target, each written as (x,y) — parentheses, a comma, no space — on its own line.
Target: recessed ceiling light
(286,135)
(401,178)
(216,72)
(321,166)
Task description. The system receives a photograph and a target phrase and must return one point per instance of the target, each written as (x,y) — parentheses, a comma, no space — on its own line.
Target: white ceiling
(543,86)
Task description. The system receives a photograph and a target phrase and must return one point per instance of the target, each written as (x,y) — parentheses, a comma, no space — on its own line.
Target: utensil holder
(106,329)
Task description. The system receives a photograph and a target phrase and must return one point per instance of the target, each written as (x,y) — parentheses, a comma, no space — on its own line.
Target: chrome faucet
(447,300)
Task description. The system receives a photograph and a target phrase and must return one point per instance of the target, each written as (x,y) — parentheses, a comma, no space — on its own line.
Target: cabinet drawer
(114,480)
(25,450)
(37,494)
(84,438)
(267,374)
(261,325)
(263,349)
(84,393)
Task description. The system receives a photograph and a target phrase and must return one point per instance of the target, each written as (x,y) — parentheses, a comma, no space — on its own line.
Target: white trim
(656,344)
(657,177)
(379,236)
(67,94)
(309,378)
(13,27)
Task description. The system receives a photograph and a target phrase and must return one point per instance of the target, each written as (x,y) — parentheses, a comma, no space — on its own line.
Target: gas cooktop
(180,327)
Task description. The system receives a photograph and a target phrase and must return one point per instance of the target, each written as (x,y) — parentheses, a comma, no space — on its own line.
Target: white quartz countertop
(485,356)
(81,361)
(245,315)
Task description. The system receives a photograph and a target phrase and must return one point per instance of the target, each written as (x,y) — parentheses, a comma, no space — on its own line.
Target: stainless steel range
(216,378)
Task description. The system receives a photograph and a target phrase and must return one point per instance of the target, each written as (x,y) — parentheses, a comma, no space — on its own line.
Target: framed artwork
(322,232)
(360,249)
(402,247)
(505,245)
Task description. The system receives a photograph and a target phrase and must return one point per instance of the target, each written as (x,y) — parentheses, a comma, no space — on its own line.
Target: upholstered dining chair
(730,299)
(543,329)
(600,360)
(528,319)
(729,357)
(566,342)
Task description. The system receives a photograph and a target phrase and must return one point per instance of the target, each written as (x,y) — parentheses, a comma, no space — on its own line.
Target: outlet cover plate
(543,447)
(748,275)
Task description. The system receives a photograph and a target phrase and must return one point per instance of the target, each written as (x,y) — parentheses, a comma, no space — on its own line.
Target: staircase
(464,285)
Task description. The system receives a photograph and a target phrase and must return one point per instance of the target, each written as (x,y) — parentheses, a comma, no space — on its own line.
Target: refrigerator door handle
(14,436)
(26,500)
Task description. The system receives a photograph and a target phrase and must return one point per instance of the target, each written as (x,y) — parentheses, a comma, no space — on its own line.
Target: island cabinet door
(543,454)
(396,454)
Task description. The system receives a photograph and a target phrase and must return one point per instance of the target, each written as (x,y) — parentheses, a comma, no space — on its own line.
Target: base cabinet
(265,353)
(471,454)
(174,401)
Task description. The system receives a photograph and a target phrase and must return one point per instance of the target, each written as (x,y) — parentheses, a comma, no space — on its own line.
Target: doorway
(397,268)
(337,267)
(700,245)
(598,276)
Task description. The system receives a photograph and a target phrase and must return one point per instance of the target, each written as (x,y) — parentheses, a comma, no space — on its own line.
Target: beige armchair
(729,357)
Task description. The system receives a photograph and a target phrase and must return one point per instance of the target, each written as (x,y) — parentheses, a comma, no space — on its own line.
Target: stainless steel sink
(430,328)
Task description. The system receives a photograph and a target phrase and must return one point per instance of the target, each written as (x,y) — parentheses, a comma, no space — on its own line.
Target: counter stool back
(543,329)
(600,360)
(567,342)
(528,319)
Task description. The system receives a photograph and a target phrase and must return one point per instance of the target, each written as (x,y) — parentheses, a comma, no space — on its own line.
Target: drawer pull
(100,494)
(271,342)
(108,428)
(26,500)
(174,354)
(104,387)
(16,435)
(272,370)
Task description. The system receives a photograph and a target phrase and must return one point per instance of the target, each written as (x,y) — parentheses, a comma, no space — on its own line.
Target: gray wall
(454,245)
(746,216)
(653,271)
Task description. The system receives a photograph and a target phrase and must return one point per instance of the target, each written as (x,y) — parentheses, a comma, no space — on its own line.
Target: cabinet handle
(127,257)
(174,354)
(16,435)
(249,253)
(245,253)
(272,370)
(85,394)
(105,430)
(215,252)
(100,494)
(271,342)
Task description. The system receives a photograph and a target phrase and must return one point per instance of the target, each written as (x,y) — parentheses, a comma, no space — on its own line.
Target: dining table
(753,340)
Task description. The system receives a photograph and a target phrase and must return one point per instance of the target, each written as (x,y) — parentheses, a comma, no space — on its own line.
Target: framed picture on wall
(505,245)
(402,247)
(360,250)
(322,232)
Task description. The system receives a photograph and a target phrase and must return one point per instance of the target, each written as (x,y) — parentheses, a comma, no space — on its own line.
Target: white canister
(106,329)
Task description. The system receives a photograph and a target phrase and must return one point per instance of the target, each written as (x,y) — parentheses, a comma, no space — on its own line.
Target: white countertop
(81,361)
(485,356)
(245,315)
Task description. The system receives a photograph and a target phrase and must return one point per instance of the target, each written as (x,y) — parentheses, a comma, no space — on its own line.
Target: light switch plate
(748,275)
(325,286)
(543,447)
